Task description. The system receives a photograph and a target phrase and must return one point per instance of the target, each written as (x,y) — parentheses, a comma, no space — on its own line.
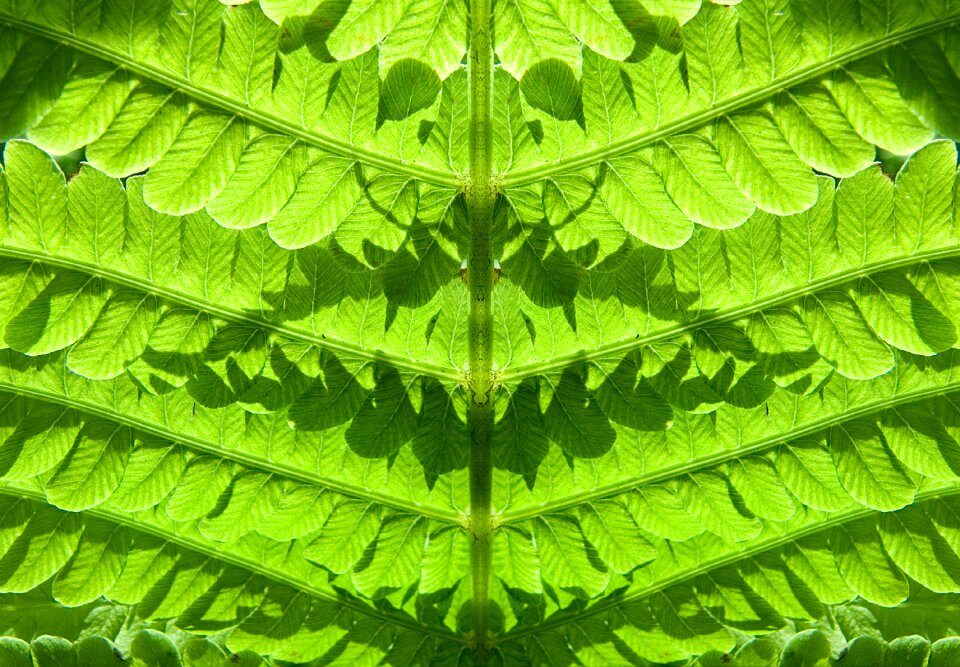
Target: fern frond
(696,604)
(127,272)
(248,588)
(778,302)
(445,332)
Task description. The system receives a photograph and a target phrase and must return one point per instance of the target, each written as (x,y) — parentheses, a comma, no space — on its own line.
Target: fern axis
(480,196)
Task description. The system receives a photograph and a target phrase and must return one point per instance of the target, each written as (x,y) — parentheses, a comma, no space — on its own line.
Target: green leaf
(196,493)
(345,535)
(409,86)
(44,547)
(447,332)
(532,31)
(152,473)
(154,649)
(866,468)
(446,560)
(563,561)
(123,328)
(92,98)
(610,528)
(695,179)
(37,208)
(865,94)
(630,400)
(59,315)
(521,567)
(903,317)
(575,421)
(198,165)
(95,566)
(385,421)
(441,442)
(431,32)
(764,168)
(843,338)
(633,191)
(37,75)
(92,470)
(707,497)
(38,444)
(353,105)
(252,498)
(816,128)
(53,651)
(329,186)
(264,180)
(396,557)
(143,130)
(520,442)
(865,567)
(551,86)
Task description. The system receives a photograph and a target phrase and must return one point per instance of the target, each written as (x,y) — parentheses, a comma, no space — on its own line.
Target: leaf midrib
(725,456)
(691,121)
(224,102)
(236,455)
(181,298)
(119,518)
(837,519)
(561,362)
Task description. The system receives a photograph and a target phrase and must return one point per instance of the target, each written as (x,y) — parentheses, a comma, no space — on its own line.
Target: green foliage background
(435,332)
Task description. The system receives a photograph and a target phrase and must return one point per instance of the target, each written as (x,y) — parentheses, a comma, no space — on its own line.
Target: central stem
(480,198)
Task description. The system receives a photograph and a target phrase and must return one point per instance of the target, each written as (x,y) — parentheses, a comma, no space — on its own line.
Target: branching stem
(480,196)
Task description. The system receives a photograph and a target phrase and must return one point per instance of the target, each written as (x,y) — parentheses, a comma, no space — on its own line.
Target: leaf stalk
(481,194)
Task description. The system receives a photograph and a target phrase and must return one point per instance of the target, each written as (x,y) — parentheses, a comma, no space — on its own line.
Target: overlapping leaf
(43,632)
(735,316)
(240,589)
(646,147)
(220,129)
(237,338)
(714,591)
